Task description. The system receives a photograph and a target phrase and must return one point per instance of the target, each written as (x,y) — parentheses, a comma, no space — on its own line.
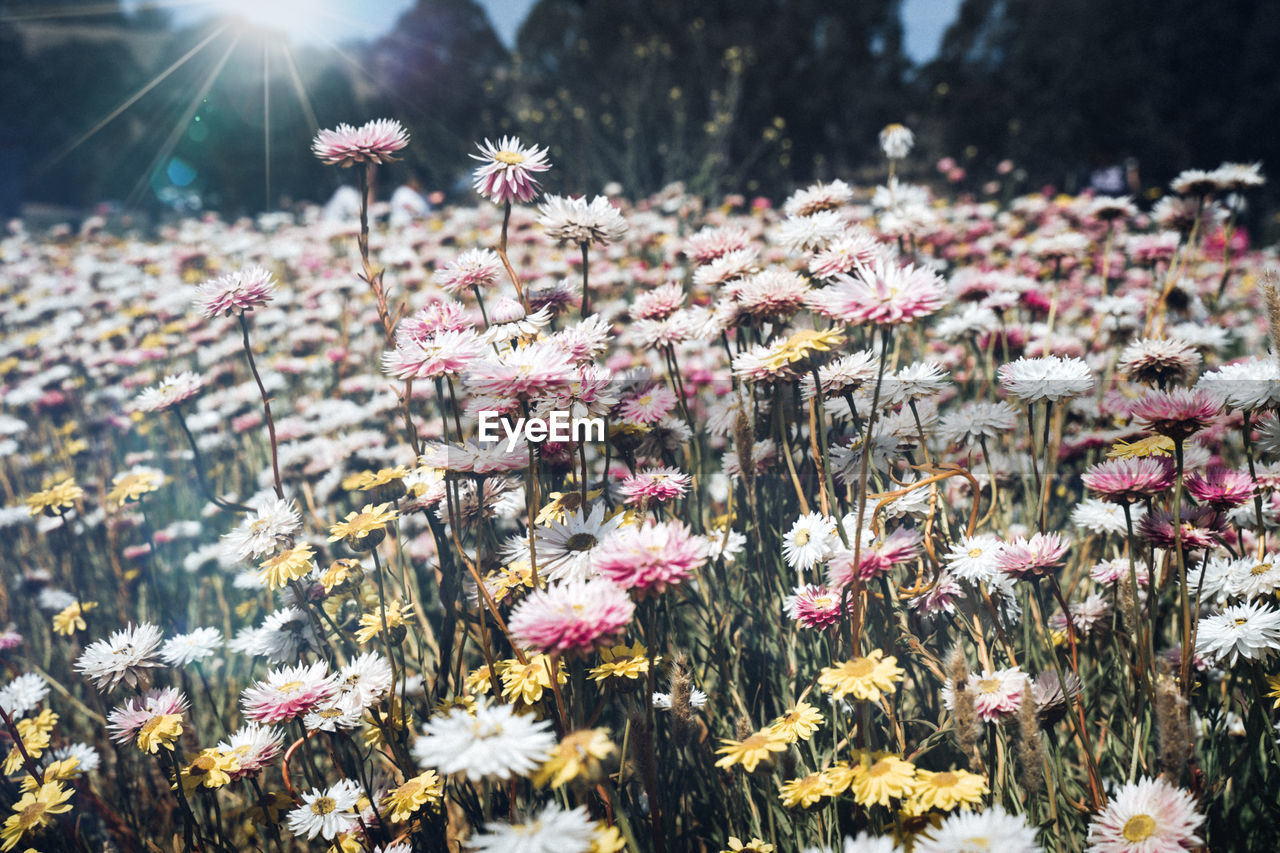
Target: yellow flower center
(989,685)
(290,686)
(861,668)
(1260,569)
(880,768)
(323,806)
(581,542)
(945,780)
(31,815)
(510,158)
(1139,827)
(1240,621)
(975,553)
(802,538)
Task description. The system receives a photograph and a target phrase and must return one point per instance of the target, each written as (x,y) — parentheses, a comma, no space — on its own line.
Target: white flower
(992,831)
(196,645)
(973,558)
(326,813)
(896,141)
(494,742)
(1146,816)
(572,221)
(564,548)
(87,758)
(809,541)
(270,526)
(662,701)
(554,830)
(367,677)
(119,657)
(976,421)
(1249,631)
(1049,378)
(23,694)
(1252,384)
(1100,516)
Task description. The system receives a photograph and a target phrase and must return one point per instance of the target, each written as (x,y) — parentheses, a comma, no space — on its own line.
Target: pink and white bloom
(372,142)
(884,293)
(507,171)
(235,292)
(288,692)
(575,616)
(651,557)
(1146,816)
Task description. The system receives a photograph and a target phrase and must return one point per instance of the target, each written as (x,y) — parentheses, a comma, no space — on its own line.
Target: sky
(924,21)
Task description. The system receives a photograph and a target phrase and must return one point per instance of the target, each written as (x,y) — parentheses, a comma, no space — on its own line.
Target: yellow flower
(371,623)
(757,748)
(888,777)
(863,678)
(393,717)
(1152,445)
(426,788)
(212,768)
(561,503)
(755,845)
(578,755)
(1273,681)
(625,663)
(338,573)
(159,731)
(607,839)
(131,485)
(480,680)
(515,576)
(71,618)
(359,525)
(368,480)
(466,703)
(803,343)
(804,792)
(948,789)
(54,771)
(277,571)
(525,682)
(799,723)
(32,811)
(346,842)
(839,777)
(56,499)
(36,734)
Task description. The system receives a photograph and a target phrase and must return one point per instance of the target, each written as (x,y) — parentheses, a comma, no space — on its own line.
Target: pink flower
(507,173)
(447,353)
(883,293)
(874,558)
(1124,481)
(1221,488)
(1029,558)
(235,292)
(124,722)
(655,485)
(649,406)
(814,606)
(176,389)
(372,142)
(1177,413)
(650,557)
(474,268)
(533,370)
(575,616)
(1201,528)
(288,693)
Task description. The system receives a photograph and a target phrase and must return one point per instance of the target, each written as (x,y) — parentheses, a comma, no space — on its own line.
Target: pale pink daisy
(372,142)
(1124,481)
(653,556)
(479,268)
(649,405)
(235,292)
(770,296)
(654,485)
(433,356)
(124,722)
(574,221)
(711,243)
(1146,816)
(288,693)
(854,248)
(529,371)
(818,197)
(875,557)
(997,694)
(1029,558)
(814,606)
(174,390)
(507,171)
(254,746)
(575,616)
(659,303)
(884,293)
(1178,413)
(1221,488)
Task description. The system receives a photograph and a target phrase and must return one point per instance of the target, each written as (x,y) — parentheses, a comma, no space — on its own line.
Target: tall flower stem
(506,262)
(886,338)
(586,291)
(266,405)
(199,466)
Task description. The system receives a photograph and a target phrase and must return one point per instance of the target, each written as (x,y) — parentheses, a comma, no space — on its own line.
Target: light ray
(93,11)
(266,120)
(60,153)
(183,121)
(303,98)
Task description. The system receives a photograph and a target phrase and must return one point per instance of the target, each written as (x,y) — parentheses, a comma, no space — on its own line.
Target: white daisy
(974,421)
(973,558)
(554,830)
(992,831)
(1049,378)
(23,695)
(186,648)
(1250,631)
(809,541)
(367,677)
(272,525)
(326,813)
(119,658)
(564,548)
(1099,516)
(495,741)
(1146,816)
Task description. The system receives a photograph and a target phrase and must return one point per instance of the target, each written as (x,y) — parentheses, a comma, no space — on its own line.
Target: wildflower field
(895,523)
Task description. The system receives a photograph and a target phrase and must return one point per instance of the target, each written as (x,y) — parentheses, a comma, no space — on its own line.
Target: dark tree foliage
(745,95)
(1061,87)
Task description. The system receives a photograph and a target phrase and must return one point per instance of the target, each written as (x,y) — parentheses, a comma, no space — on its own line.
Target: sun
(287,16)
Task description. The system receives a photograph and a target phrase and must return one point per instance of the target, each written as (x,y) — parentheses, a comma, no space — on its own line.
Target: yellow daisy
(162,730)
(1273,681)
(579,755)
(755,845)
(751,752)
(371,623)
(623,663)
(804,792)
(799,723)
(32,811)
(363,530)
(526,682)
(863,678)
(56,499)
(290,565)
(1152,445)
(70,619)
(212,768)
(424,789)
(131,485)
(887,778)
(948,789)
